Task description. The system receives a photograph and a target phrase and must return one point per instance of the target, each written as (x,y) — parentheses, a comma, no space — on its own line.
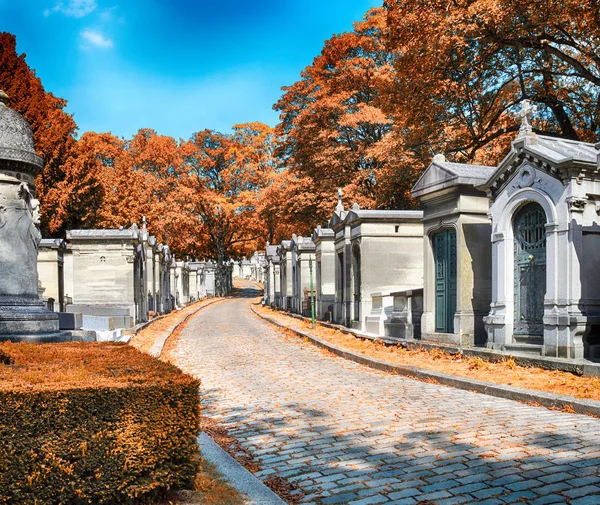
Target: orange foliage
(67,187)
(412,79)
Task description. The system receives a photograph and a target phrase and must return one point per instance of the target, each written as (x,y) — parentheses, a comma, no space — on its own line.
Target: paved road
(349,434)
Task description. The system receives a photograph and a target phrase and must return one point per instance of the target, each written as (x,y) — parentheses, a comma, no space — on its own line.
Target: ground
(348,434)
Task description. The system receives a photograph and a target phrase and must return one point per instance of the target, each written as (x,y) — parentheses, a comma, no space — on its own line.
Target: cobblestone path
(349,434)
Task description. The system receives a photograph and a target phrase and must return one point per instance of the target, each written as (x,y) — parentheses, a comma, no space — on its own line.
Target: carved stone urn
(23,316)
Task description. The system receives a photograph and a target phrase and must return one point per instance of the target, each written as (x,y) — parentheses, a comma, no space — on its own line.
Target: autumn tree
(463,66)
(67,187)
(219,192)
(337,129)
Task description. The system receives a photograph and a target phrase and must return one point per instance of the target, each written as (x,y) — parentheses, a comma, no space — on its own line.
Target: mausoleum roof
(322,233)
(442,174)
(17,151)
(100,235)
(562,158)
(559,151)
(383,215)
(53,243)
(304,244)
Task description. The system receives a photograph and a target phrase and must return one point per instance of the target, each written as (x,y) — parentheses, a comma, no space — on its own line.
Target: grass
(145,338)
(210,488)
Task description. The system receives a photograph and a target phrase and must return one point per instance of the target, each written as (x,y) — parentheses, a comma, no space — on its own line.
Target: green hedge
(118,427)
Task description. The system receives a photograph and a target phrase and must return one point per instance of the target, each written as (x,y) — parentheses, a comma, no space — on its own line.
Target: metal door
(444,246)
(530,269)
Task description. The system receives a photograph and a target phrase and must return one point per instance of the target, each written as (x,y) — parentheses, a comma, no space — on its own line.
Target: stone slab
(98,323)
(99,310)
(124,322)
(70,320)
(111,336)
(240,478)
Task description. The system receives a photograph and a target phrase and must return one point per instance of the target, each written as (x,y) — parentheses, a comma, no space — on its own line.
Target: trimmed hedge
(94,423)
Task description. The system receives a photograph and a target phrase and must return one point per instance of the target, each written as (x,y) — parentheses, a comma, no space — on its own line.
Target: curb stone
(582,367)
(159,343)
(241,479)
(549,400)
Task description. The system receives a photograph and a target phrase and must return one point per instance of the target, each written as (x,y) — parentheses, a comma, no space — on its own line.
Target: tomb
(457,251)
(323,239)
(108,278)
(163,262)
(182,274)
(545,207)
(50,265)
(269,275)
(377,251)
(303,264)
(284,251)
(209,278)
(152,290)
(197,291)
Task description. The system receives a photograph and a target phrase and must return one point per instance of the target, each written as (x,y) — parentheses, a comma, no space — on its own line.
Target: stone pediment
(441,174)
(561,159)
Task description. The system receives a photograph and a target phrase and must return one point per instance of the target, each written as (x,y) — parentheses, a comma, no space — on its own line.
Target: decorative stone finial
(526,113)
(439,158)
(340,206)
(144,223)
(355,206)
(4,98)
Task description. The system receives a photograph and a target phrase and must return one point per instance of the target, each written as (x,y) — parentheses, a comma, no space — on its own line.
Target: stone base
(445,338)
(401,330)
(28,320)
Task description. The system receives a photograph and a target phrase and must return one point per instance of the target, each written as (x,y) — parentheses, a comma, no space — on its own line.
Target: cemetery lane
(349,434)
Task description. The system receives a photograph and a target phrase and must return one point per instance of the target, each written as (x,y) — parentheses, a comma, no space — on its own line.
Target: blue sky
(175,66)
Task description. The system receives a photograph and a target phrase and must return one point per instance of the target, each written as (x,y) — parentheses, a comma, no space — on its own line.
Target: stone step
(529,339)
(535,349)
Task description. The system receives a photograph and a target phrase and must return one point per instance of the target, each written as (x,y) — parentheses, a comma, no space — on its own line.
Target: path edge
(548,400)
(244,481)
(159,344)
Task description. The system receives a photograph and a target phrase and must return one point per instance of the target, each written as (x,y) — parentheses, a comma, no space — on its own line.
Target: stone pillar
(23,315)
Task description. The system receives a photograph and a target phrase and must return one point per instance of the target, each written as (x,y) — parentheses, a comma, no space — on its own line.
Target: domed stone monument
(23,316)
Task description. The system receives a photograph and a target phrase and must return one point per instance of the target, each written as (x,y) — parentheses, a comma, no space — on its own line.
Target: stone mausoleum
(545,208)
(457,251)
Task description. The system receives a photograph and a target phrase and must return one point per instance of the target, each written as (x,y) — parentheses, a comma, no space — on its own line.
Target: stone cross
(340,205)
(526,113)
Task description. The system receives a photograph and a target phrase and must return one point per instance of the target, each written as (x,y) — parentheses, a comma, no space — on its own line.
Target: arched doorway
(444,247)
(530,270)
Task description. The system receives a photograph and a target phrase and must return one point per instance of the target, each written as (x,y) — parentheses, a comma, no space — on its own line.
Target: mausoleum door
(530,269)
(444,246)
(356,282)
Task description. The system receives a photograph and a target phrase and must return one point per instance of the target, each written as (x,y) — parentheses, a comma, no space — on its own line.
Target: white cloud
(73,8)
(95,38)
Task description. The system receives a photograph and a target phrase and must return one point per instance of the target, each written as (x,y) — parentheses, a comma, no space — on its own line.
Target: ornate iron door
(444,246)
(530,269)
